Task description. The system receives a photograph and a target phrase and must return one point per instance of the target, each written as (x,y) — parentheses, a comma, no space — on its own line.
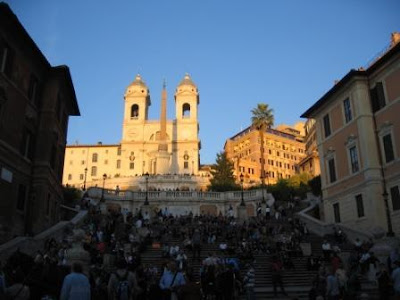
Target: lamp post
(388,218)
(146,201)
(102,191)
(241,182)
(262,188)
(84,180)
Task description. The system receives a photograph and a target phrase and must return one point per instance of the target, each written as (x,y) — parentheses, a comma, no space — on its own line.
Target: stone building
(358,138)
(283,150)
(36,101)
(161,148)
(310,163)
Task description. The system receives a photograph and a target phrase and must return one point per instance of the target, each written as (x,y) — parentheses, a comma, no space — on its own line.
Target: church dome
(187,81)
(138,82)
(138,86)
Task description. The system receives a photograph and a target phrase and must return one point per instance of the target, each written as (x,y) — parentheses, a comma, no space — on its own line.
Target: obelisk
(163,156)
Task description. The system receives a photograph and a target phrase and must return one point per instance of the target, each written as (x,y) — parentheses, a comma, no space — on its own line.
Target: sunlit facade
(283,150)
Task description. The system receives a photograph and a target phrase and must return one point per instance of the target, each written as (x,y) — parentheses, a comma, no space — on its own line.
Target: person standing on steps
(196,244)
(277,269)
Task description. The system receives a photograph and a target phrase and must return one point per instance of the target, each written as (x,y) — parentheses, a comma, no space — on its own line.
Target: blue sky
(239,53)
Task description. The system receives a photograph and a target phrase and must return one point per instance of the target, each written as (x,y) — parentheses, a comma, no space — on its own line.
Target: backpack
(123,290)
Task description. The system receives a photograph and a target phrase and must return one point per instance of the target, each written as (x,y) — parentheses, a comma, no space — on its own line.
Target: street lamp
(84,180)
(102,191)
(241,182)
(146,201)
(388,219)
(262,188)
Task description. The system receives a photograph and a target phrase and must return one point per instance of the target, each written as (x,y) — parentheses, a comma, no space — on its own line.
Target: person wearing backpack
(122,284)
(171,281)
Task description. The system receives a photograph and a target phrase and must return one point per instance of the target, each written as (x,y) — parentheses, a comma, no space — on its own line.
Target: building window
(186,110)
(134,111)
(119,151)
(347,110)
(6,62)
(106,161)
(94,157)
(131,165)
(395,195)
(94,171)
(27,145)
(118,164)
(69,176)
(377,97)
(33,90)
(360,206)
(388,147)
(80,176)
(21,197)
(82,162)
(336,212)
(354,159)
(332,170)
(327,126)
(48,204)
(186,165)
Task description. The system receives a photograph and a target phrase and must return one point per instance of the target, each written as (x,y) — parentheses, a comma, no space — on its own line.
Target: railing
(96,192)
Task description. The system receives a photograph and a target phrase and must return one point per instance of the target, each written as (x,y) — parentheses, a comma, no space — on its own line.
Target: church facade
(155,147)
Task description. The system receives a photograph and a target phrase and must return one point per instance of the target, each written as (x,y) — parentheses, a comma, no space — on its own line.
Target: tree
(315,185)
(262,119)
(223,178)
(71,195)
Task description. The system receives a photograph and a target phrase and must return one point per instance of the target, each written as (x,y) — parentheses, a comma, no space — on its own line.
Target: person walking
(332,286)
(170,282)
(76,285)
(196,244)
(277,269)
(122,284)
(250,282)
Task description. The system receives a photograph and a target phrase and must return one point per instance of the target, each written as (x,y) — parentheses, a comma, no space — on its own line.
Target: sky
(286,53)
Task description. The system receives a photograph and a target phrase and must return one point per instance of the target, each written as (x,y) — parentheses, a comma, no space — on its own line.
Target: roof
(7,15)
(268,130)
(63,70)
(309,113)
(187,81)
(93,145)
(138,82)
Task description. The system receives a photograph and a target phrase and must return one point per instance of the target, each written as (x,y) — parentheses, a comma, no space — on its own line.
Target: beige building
(283,150)
(310,163)
(157,147)
(358,137)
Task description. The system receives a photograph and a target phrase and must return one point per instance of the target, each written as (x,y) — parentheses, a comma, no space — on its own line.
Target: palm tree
(262,119)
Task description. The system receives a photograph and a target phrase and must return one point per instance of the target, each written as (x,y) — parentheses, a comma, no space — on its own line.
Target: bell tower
(137,102)
(187,127)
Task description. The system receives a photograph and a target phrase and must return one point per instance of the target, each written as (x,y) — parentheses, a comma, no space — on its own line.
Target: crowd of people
(185,270)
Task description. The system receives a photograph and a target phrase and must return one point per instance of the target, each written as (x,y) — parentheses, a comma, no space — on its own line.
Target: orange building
(283,150)
(358,137)
(310,163)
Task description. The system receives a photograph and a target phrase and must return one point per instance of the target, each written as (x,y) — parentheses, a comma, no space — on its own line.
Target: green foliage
(223,178)
(263,116)
(315,185)
(71,195)
(295,186)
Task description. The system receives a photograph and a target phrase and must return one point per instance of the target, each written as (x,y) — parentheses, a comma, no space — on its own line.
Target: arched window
(186,110)
(94,157)
(134,111)
(94,171)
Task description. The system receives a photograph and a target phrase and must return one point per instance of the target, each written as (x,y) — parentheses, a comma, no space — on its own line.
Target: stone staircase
(297,281)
